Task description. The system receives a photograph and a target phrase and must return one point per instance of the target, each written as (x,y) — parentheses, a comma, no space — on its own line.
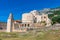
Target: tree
(56,19)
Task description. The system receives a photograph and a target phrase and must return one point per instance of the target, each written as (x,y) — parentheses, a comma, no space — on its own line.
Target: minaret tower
(9,23)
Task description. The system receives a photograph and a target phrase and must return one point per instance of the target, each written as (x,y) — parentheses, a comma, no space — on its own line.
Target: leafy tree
(56,19)
(57,12)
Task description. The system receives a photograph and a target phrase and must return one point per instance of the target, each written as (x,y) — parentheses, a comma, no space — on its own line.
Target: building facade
(29,21)
(34,17)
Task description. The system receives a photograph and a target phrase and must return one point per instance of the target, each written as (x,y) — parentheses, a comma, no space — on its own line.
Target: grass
(42,35)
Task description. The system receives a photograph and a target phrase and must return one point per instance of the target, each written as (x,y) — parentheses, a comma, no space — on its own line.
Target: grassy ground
(42,35)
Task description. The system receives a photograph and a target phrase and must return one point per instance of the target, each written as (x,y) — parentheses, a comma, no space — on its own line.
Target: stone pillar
(9,23)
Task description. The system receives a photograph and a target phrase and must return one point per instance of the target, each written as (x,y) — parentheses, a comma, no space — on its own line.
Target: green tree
(56,19)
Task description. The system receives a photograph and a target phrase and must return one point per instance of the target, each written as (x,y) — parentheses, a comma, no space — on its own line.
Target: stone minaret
(9,23)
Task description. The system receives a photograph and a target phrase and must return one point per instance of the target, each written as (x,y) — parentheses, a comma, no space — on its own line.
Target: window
(28,25)
(35,19)
(44,17)
(25,25)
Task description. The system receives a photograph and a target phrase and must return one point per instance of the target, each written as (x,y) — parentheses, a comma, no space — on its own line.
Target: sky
(18,7)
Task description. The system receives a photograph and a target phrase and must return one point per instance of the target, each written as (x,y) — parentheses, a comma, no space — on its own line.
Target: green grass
(42,35)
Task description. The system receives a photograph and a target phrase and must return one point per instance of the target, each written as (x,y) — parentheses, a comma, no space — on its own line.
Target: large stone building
(35,17)
(29,21)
